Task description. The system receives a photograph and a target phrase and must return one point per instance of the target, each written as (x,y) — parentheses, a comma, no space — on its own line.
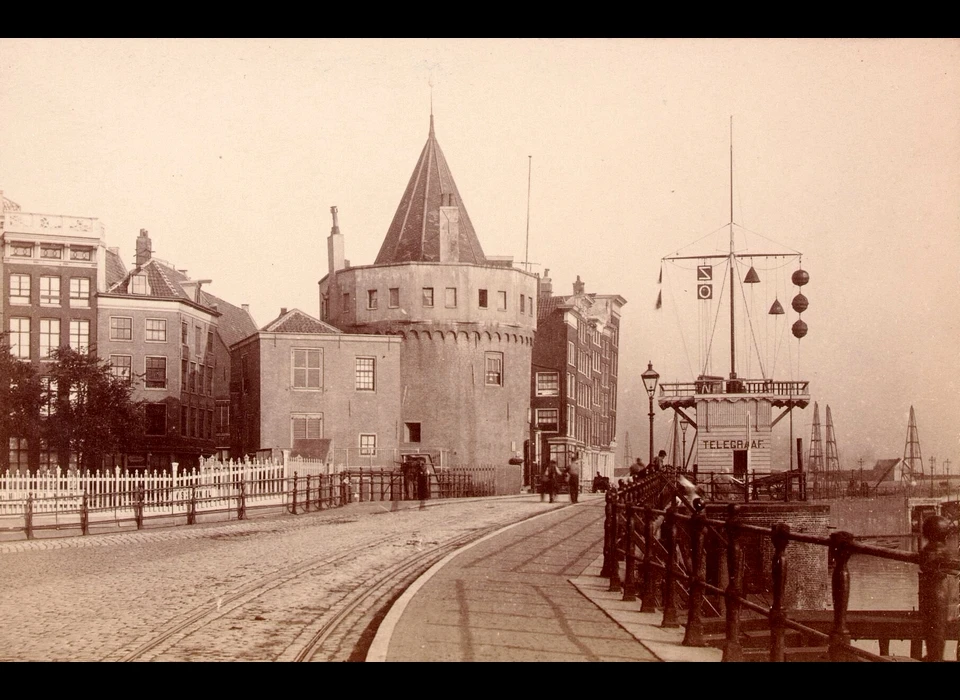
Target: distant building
(52,267)
(157,323)
(304,386)
(573,395)
(467,321)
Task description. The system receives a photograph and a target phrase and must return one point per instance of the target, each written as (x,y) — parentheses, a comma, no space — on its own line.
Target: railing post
(28,516)
(294,493)
(732,649)
(242,500)
(669,598)
(306,500)
(192,507)
(138,507)
(607,568)
(933,592)
(839,554)
(648,603)
(694,633)
(780,534)
(84,515)
(630,575)
(614,544)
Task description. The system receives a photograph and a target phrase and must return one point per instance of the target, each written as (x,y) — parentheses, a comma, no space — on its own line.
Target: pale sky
(231,152)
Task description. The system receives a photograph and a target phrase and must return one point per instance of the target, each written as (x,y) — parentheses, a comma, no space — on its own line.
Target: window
(49,336)
(371,298)
(155,419)
(21,250)
(209,342)
(501,301)
(493,362)
(156,330)
(547,419)
(209,423)
(20,338)
(138,284)
(483,298)
(193,377)
(571,353)
(81,254)
(183,421)
(51,252)
(208,381)
(49,291)
(595,356)
(195,421)
(522,305)
(346,302)
(18,453)
(80,292)
(366,373)
(184,333)
(48,386)
(571,420)
(80,335)
(428,296)
(156,370)
(184,374)
(548,384)
(223,418)
(307,368)
(198,340)
(307,426)
(368,444)
(530,305)
(394,297)
(450,297)
(411,432)
(121,328)
(121,366)
(571,385)
(19,289)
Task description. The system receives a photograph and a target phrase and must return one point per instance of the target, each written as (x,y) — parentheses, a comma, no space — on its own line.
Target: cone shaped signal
(776,308)
(752,276)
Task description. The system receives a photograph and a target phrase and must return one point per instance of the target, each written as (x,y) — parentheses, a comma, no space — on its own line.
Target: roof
(235,323)
(164,281)
(115,268)
(296,321)
(414,234)
(547,305)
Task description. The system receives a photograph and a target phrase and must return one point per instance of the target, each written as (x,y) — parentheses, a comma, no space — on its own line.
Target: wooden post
(732,649)
(933,591)
(242,500)
(669,602)
(192,507)
(781,538)
(28,516)
(694,633)
(138,507)
(839,554)
(648,603)
(630,576)
(84,516)
(294,504)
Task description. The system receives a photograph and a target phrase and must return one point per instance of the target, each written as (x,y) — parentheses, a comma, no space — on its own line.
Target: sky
(230,152)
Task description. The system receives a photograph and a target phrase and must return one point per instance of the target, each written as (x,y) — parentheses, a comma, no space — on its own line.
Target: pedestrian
(597,483)
(659,463)
(637,470)
(410,470)
(573,477)
(548,480)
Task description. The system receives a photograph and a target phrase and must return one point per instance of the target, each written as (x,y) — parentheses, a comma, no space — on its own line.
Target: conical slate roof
(414,235)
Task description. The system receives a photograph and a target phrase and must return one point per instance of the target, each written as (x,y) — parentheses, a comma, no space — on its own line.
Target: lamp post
(650,378)
(683,432)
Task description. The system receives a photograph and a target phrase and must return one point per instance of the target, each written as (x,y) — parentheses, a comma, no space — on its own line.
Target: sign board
(704,273)
(704,291)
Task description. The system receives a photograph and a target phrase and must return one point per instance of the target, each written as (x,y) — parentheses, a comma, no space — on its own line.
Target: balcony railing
(734,386)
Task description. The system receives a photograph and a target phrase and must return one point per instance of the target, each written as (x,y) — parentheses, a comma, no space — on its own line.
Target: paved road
(510,598)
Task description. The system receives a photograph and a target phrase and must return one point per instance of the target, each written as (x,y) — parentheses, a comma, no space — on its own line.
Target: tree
(91,410)
(20,399)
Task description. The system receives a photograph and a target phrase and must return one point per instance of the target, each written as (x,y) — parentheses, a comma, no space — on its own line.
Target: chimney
(449,228)
(115,251)
(335,259)
(144,248)
(283,310)
(578,286)
(245,307)
(546,284)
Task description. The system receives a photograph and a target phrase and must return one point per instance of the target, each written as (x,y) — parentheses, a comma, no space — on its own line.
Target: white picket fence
(213,486)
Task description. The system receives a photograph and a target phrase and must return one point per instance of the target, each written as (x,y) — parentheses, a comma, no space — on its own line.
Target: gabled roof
(235,324)
(296,321)
(164,281)
(547,305)
(414,234)
(115,269)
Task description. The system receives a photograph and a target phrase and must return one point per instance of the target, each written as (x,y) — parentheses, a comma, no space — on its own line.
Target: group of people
(552,477)
(658,465)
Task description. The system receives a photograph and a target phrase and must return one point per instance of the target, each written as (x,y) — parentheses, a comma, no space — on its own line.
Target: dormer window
(138,284)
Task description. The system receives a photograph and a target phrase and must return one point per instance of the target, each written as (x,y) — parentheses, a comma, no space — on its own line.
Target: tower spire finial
(430,83)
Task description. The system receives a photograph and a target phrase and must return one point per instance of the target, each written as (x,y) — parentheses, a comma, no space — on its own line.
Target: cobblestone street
(251,590)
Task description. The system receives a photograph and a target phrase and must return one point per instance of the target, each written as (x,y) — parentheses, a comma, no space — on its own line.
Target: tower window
(493,362)
(371,298)
(483,298)
(428,296)
(411,432)
(394,297)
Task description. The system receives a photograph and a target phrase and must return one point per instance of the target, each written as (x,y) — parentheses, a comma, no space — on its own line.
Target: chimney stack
(144,248)
(283,310)
(245,307)
(578,286)
(546,284)
(335,259)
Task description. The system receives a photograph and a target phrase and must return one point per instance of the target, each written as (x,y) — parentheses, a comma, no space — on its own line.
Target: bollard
(28,516)
(294,505)
(780,534)
(242,500)
(933,591)
(306,500)
(648,602)
(629,576)
(732,648)
(839,554)
(138,508)
(669,541)
(84,516)
(693,637)
(192,507)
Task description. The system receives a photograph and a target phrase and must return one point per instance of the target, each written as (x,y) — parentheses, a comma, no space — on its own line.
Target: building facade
(304,386)
(467,321)
(573,389)
(52,267)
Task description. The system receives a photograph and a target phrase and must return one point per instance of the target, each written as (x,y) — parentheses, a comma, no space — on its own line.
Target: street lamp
(683,431)
(650,378)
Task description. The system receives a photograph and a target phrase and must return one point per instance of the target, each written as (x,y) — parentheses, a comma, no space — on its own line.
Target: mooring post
(933,592)
(694,632)
(839,554)
(732,648)
(780,534)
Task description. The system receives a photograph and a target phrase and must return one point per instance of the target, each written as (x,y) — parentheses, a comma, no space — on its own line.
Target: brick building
(303,385)
(573,391)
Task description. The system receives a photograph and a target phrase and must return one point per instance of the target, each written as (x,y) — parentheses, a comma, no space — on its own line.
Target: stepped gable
(414,235)
(296,321)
